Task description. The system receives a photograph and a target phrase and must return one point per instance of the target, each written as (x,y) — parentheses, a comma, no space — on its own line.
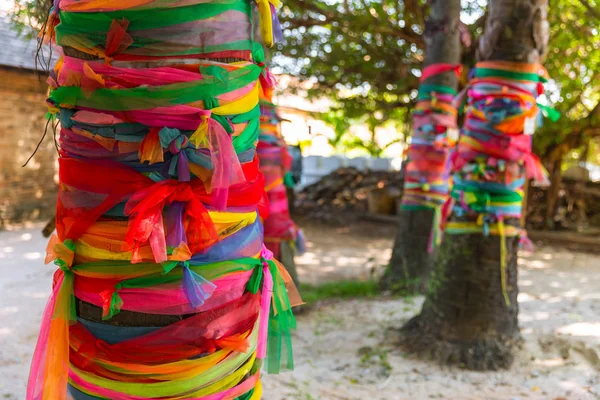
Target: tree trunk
(286,257)
(107,330)
(411,261)
(465,319)
(553,190)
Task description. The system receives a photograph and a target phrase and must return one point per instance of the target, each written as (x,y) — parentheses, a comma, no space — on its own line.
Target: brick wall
(26,193)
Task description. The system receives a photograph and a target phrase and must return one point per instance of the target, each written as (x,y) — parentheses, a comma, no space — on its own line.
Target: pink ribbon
(265,305)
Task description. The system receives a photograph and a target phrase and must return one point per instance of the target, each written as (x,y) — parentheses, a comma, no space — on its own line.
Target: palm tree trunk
(411,261)
(465,319)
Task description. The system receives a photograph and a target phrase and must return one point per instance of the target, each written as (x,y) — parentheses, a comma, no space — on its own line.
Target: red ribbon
(117,38)
(438,69)
(221,328)
(145,209)
(117,182)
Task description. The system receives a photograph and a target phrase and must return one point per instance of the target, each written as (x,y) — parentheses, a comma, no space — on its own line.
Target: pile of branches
(576,208)
(344,190)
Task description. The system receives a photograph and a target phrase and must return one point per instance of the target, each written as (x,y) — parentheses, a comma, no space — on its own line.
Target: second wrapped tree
(470,315)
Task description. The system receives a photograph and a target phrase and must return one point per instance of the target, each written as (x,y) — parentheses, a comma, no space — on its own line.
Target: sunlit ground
(559,316)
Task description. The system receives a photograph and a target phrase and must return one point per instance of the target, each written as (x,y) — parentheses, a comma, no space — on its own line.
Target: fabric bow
(145,209)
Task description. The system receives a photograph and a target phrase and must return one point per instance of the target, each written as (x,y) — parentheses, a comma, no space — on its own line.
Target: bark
(553,191)
(286,253)
(286,256)
(411,262)
(465,319)
(291,195)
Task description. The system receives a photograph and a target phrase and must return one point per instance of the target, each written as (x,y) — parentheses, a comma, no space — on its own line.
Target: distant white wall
(315,167)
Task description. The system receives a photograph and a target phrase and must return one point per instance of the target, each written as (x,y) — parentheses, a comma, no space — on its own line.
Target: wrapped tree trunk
(164,288)
(470,315)
(282,236)
(426,175)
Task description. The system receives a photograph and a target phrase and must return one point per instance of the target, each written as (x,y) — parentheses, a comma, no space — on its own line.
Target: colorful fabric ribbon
(153,29)
(426,183)
(160,205)
(494,157)
(275,162)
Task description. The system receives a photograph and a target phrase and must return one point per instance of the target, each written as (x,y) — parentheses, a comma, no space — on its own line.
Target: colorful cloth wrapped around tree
(426,183)
(275,164)
(159,207)
(494,158)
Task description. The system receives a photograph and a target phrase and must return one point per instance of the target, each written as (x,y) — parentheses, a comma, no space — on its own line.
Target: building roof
(16,51)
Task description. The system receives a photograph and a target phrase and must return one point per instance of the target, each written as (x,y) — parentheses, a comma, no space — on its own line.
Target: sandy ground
(345,350)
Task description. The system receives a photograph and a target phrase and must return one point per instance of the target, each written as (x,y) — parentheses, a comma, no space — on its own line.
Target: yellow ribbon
(266,20)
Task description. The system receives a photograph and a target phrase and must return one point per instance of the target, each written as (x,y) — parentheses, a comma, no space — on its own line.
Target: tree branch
(595,12)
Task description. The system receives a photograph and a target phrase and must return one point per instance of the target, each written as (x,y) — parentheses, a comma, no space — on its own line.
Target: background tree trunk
(411,262)
(465,319)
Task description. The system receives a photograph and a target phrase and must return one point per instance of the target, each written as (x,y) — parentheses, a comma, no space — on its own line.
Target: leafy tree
(342,120)
(366,56)
(574,65)
(29,15)
(363,54)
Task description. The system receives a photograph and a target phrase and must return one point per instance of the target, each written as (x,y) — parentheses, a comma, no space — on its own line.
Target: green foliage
(341,119)
(28,16)
(362,54)
(365,54)
(573,63)
(340,290)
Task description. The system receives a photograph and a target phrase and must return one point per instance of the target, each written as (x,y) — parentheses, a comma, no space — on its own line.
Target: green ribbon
(549,112)
(220,73)
(500,73)
(144,98)
(288,180)
(281,322)
(115,304)
(255,280)
(66,288)
(426,92)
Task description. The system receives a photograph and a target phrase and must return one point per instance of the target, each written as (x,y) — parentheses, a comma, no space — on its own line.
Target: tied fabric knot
(177,144)
(255,280)
(111,302)
(484,220)
(145,209)
(196,288)
(214,133)
(62,253)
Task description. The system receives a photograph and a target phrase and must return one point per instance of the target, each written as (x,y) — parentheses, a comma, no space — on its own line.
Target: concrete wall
(26,193)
